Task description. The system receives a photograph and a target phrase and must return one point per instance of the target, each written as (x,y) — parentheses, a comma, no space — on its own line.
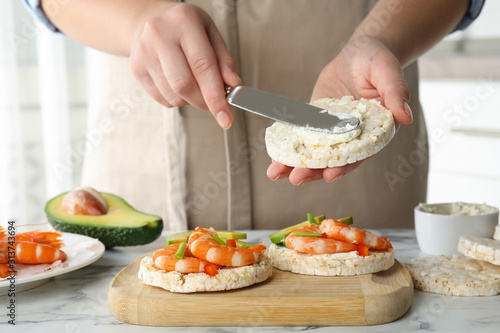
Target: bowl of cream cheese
(439,226)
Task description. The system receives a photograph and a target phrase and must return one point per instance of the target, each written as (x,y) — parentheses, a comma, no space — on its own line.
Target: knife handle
(228,90)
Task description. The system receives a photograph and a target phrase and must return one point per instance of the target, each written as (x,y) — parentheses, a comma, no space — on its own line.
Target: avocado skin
(114,236)
(110,236)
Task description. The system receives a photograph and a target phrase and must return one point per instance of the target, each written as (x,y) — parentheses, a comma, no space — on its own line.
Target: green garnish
(310,217)
(346,220)
(307,234)
(219,240)
(243,245)
(180,251)
(318,219)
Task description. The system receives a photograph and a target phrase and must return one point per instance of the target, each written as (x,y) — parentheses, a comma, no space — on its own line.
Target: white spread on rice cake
(480,248)
(226,279)
(455,275)
(336,264)
(303,148)
(497,233)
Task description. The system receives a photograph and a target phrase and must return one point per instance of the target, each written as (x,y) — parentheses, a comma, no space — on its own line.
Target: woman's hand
(367,68)
(180,58)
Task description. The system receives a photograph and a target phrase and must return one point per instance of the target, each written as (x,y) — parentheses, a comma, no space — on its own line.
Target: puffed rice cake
(226,278)
(304,148)
(455,275)
(336,264)
(480,248)
(497,233)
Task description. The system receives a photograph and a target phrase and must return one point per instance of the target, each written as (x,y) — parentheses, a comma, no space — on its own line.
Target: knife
(290,111)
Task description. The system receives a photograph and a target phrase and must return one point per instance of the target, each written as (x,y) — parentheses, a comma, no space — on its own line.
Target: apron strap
(239,213)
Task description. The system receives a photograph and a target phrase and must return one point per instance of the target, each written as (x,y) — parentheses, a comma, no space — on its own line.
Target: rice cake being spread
(336,264)
(455,275)
(305,148)
(226,278)
(497,233)
(480,248)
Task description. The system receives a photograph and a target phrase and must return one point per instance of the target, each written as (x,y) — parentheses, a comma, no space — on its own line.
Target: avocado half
(121,226)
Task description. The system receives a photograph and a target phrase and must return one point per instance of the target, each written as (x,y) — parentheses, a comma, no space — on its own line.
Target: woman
(173,159)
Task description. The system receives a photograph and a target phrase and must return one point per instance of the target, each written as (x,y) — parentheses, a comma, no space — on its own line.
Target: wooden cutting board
(285,299)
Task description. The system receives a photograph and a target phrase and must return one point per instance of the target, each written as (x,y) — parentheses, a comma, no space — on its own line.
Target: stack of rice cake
(476,274)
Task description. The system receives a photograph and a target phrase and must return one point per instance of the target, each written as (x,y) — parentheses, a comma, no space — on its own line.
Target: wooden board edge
(394,304)
(116,303)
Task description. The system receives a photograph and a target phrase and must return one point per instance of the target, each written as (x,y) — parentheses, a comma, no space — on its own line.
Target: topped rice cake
(301,147)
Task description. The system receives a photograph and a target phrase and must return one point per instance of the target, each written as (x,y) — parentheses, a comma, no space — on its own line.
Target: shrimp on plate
(337,230)
(37,236)
(51,238)
(31,247)
(30,253)
(5,271)
(164,259)
(317,245)
(202,245)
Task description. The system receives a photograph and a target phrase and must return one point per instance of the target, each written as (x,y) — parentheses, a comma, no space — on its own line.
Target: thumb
(391,85)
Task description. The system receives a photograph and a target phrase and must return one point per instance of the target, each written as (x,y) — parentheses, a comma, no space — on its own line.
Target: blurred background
(45,95)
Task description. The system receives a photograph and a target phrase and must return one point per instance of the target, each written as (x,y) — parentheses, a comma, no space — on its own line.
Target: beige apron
(210,177)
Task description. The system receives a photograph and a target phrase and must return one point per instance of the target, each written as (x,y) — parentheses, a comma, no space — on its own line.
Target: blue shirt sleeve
(473,12)
(36,9)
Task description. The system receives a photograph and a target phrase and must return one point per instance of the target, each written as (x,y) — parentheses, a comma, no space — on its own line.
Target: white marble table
(77,302)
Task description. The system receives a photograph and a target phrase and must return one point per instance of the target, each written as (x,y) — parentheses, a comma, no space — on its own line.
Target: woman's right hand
(180,58)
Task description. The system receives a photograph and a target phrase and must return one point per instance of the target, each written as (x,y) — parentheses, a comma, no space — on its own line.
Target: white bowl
(438,233)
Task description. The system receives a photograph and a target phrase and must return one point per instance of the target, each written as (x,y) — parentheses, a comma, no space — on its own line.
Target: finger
(150,87)
(300,176)
(389,81)
(180,82)
(203,63)
(141,74)
(333,174)
(227,64)
(161,83)
(277,171)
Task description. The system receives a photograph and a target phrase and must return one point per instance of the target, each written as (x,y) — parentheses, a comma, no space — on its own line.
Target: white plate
(81,251)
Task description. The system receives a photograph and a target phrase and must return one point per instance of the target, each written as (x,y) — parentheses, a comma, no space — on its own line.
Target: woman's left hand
(367,68)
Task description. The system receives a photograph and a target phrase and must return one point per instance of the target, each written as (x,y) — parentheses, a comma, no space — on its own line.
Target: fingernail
(237,76)
(278,177)
(334,179)
(223,119)
(408,111)
(305,180)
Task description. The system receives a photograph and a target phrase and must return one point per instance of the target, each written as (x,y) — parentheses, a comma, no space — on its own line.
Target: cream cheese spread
(457,208)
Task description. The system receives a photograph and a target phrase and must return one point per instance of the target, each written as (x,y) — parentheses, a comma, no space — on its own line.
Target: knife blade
(290,111)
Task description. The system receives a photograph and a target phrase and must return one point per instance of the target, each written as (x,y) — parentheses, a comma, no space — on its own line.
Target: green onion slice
(310,217)
(219,240)
(180,251)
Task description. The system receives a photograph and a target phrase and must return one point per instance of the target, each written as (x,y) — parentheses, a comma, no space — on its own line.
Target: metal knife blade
(290,111)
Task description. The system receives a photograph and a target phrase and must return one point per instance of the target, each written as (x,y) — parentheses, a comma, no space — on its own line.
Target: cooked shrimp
(31,253)
(51,238)
(202,245)
(336,230)
(164,259)
(315,245)
(4,271)
(37,236)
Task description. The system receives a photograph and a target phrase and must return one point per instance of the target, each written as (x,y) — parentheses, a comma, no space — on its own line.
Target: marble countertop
(77,301)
